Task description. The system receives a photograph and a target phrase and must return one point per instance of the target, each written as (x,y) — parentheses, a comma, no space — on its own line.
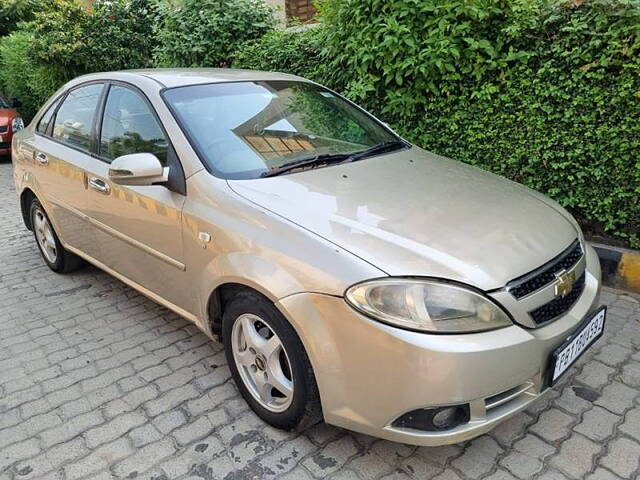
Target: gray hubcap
(262,362)
(44,235)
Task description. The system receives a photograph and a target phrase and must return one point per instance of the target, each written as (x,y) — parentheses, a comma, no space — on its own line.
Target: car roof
(178,77)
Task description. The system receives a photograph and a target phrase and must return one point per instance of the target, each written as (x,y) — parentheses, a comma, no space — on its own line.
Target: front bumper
(369,373)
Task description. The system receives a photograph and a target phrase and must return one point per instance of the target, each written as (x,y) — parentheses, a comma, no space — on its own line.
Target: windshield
(244,129)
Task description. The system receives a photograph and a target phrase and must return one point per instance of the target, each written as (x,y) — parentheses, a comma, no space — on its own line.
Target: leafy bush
(205,33)
(114,35)
(547,94)
(23,78)
(65,40)
(296,51)
(12,12)
(406,51)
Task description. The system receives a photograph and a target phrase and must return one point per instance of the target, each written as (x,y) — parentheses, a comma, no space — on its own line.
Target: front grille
(543,276)
(4,129)
(558,306)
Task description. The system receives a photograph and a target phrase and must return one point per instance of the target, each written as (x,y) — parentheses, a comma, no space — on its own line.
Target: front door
(137,229)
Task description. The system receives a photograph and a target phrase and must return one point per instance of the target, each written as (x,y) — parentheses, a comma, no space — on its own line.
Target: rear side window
(74,119)
(45,121)
(129,126)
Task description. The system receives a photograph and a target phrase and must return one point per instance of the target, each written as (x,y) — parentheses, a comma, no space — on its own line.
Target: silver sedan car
(352,277)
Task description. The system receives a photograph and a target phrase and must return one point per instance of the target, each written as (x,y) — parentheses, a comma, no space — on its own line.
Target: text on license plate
(579,344)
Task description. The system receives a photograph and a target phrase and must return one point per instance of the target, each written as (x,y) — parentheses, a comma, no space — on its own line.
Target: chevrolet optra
(352,277)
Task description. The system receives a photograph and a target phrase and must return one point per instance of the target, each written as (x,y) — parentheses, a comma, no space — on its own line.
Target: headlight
(427,305)
(17,124)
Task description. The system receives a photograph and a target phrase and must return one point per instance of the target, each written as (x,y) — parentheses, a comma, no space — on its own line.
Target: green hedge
(295,51)
(22,77)
(205,33)
(547,94)
(64,40)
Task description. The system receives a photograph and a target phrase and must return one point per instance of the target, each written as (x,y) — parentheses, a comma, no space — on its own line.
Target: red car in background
(10,122)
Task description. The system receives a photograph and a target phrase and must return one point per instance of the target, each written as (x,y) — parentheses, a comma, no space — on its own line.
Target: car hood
(6,115)
(413,213)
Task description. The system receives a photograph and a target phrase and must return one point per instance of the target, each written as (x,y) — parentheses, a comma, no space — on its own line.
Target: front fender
(250,270)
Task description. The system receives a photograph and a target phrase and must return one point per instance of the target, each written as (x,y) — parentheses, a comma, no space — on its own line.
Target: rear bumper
(369,374)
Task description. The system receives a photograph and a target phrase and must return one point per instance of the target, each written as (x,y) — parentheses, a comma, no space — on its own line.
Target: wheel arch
(217,301)
(26,197)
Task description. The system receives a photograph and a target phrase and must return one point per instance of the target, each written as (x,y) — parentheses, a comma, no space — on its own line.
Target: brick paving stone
(623,457)
(553,425)
(534,447)
(612,354)
(439,455)
(595,374)
(113,429)
(332,457)
(500,475)
(479,457)
(144,459)
(570,402)
(521,464)
(617,397)
(602,474)
(631,374)
(576,456)
(512,429)
(98,459)
(631,424)
(370,466)
(597,424)
(99,382)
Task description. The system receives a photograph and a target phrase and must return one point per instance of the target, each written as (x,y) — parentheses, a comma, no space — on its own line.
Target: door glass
(44,122)
(75,116)
(130,127)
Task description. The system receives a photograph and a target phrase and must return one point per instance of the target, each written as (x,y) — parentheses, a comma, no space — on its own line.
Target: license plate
(567,353)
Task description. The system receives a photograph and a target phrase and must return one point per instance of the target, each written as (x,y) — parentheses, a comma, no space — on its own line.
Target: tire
(299,410)
(57,258)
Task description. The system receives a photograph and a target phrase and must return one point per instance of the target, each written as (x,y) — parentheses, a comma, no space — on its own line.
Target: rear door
(61,154)
(137,229)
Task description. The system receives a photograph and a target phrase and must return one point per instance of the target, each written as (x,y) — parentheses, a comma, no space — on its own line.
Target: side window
(129,126)
(45,121)
(75,116)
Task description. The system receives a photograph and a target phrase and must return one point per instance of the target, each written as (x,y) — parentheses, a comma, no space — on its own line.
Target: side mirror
(138,169)
(16,104)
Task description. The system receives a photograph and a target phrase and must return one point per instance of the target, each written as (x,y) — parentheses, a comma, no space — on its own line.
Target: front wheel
(269,364)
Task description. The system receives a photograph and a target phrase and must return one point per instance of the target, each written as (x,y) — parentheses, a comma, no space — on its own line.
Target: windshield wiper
(378,149)
(328,158)
(323,159)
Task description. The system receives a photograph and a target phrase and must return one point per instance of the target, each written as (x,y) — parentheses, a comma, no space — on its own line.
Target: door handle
(42,158)
(99,185)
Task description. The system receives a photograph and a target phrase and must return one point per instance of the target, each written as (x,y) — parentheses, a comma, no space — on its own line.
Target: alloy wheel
(44,235)
(262,362)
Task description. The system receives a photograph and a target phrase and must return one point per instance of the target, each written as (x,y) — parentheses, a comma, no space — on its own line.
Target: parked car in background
(351,275)
(10,123)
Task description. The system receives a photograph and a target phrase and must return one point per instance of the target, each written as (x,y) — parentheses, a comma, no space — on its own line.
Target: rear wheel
(54,254)
(269,364)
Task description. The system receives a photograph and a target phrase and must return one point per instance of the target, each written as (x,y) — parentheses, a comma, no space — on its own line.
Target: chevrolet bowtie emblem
(564,283)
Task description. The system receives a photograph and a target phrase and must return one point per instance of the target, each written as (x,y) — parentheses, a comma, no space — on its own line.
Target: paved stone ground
(96,381)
